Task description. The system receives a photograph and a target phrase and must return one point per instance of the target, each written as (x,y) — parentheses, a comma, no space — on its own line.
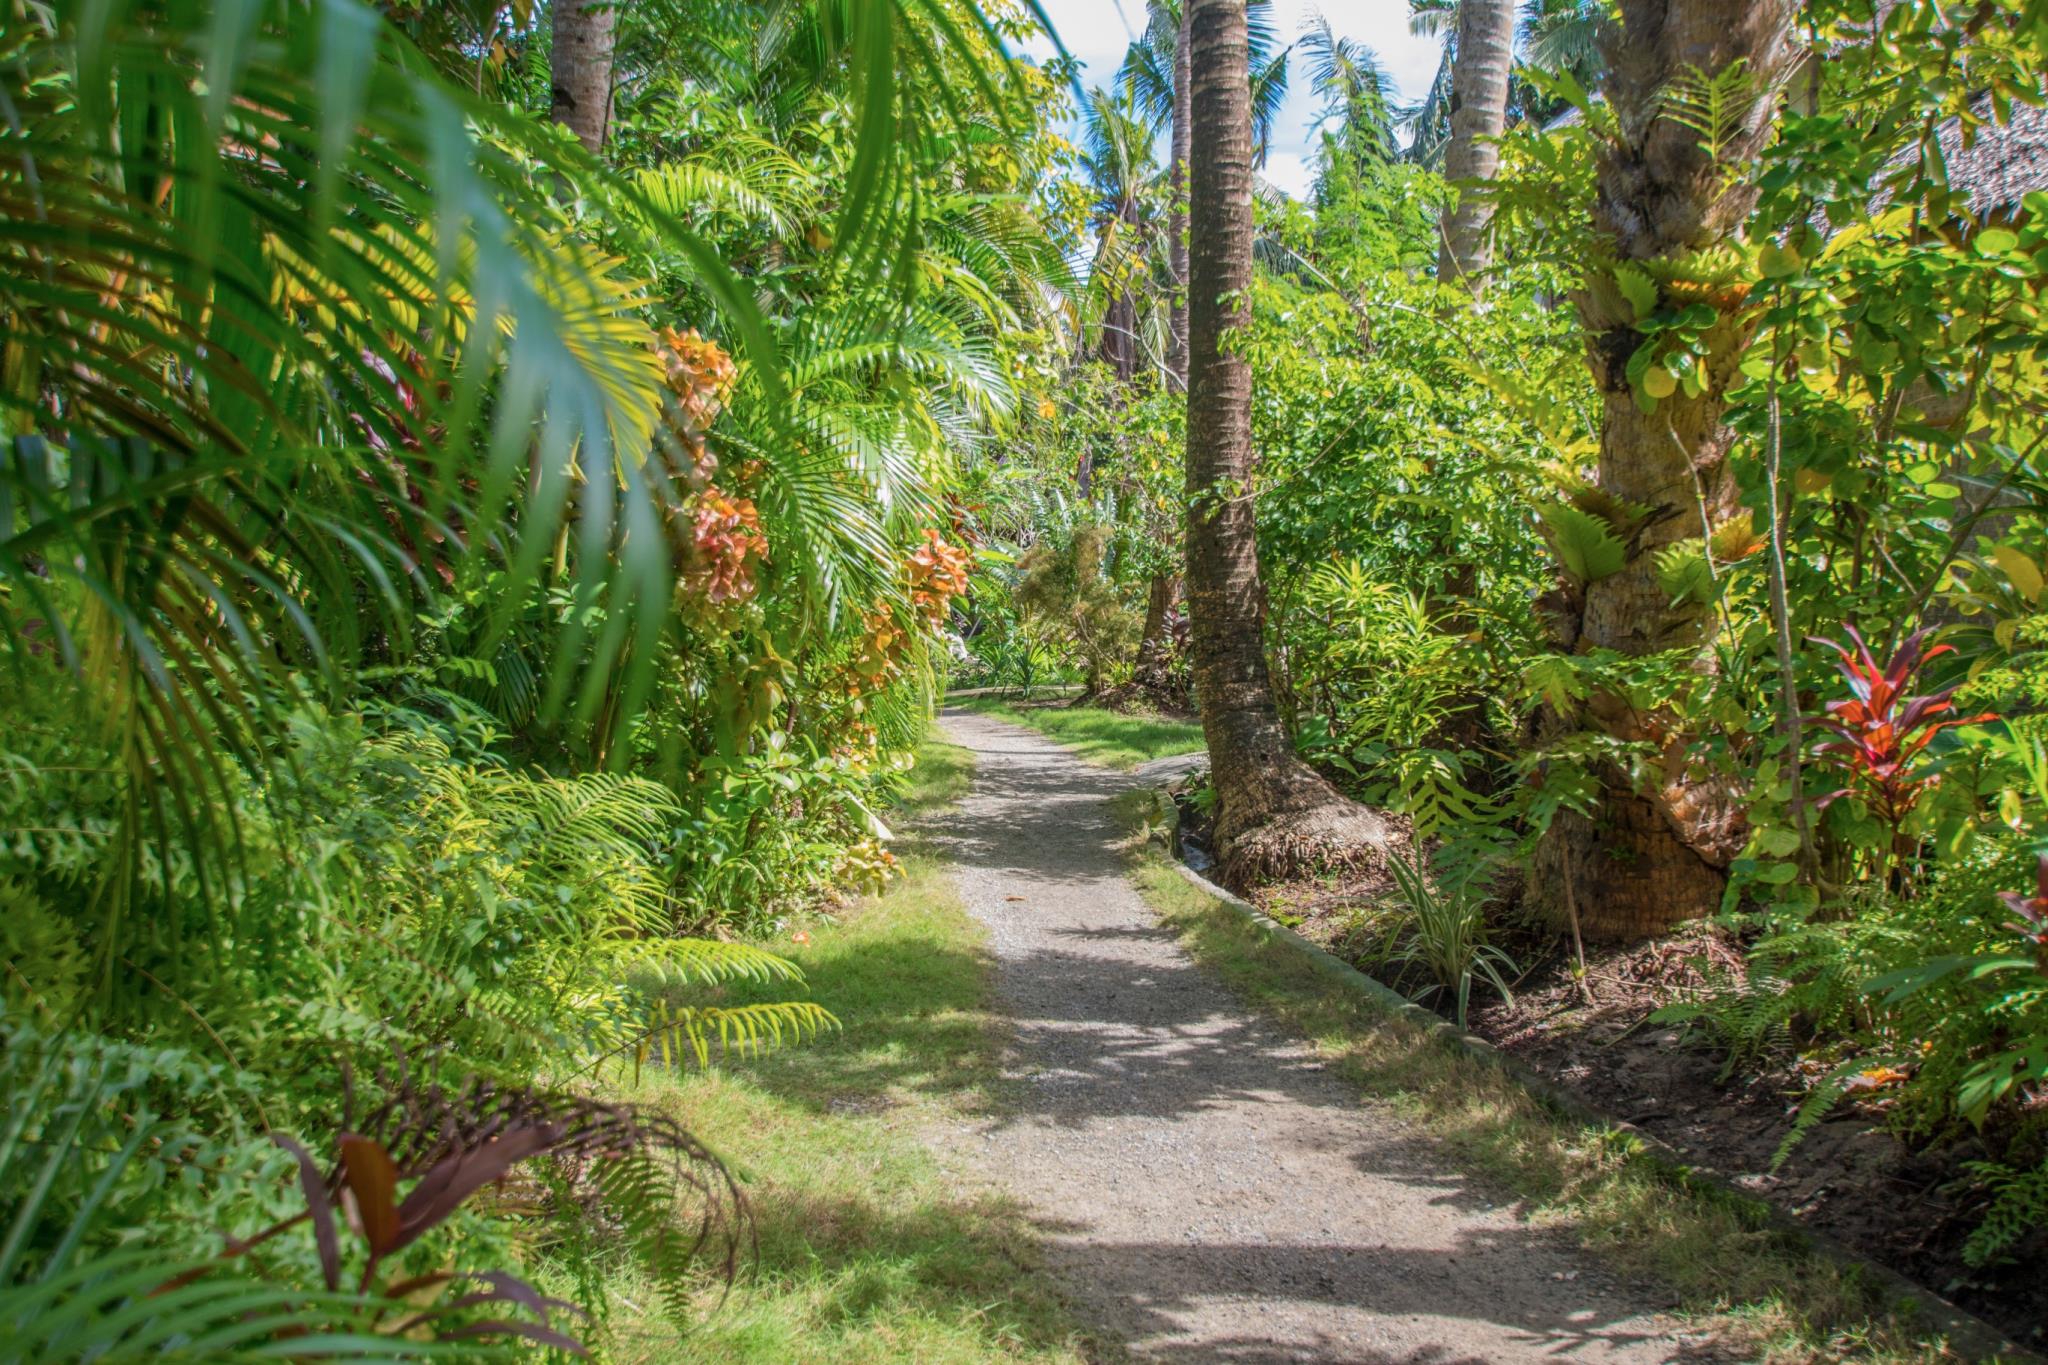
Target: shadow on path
(1210,1191)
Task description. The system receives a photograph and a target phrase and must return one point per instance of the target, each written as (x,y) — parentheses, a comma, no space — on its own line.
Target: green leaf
(1779,842)
(1996,241)
(1583,542)
(1638,288)
(1779,262)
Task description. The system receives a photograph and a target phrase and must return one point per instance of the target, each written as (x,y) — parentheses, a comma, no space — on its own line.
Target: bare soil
(1208,1189)
(1849,1178)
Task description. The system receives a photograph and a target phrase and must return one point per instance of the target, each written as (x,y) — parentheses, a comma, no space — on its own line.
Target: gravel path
(1208,1190)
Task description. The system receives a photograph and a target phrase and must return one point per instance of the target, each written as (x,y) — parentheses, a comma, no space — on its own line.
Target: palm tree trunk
(1177,217)
(581,68)
(1479,113)
(1274,815)
(1653,858)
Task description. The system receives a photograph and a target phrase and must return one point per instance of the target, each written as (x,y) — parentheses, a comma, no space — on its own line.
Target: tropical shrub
(435,587)
(1441,931)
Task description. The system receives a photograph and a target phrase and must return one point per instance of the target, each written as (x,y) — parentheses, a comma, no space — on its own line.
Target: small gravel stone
(1209,1191)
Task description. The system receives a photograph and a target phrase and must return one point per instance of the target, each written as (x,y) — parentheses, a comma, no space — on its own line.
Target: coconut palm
(1355,117)
(1274,814)
(1117,160)
(1478,115)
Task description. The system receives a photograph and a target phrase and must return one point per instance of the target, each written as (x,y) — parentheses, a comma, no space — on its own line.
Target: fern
(2018,1209)
(1584,543)
(1715,107)
(1747,1021)
(1821,1099)
(1686,576)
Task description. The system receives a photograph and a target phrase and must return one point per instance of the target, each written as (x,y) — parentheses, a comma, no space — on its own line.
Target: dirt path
(1209,1191)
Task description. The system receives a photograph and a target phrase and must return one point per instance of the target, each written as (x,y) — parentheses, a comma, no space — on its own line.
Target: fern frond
(1584,543)
(741,1028)
(2018,1209)
(705,961)
(1715,107)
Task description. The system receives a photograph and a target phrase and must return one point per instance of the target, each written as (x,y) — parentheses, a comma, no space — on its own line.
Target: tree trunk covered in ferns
(1656,854)
(1274,815)
(581,68)
(1177,218)
(1479,114)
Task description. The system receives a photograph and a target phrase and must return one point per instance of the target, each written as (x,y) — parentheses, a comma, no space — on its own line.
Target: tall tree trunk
(1177,217)
(1274,815)
(1479,113)
(1155,650)
(1652,858)
(1118,345)
(581,68)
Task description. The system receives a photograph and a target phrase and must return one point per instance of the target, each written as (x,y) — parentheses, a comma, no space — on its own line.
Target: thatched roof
(2003,163)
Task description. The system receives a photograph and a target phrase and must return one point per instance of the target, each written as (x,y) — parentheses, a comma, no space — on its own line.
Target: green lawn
(1116,738)
(871,1248)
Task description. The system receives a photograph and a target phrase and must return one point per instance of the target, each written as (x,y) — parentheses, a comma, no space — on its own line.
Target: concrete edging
(1978,1339)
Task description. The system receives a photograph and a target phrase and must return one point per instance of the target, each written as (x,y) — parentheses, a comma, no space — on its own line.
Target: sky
(1098,31)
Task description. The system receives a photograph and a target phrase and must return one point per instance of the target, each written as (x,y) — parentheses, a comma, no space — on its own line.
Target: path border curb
(1967,1332)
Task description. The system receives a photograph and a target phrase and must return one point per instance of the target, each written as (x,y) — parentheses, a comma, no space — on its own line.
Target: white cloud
(1096,32)
(1289,172)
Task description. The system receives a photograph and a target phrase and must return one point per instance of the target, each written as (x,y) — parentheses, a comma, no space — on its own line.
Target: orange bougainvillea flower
(728,545)
(701,376)
(936,573)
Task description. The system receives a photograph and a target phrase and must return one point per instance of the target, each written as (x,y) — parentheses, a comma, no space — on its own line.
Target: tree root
(1336,835)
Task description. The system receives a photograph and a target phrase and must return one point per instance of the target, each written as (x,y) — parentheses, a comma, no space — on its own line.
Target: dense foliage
(456,588)
(1439,514)
(473,566)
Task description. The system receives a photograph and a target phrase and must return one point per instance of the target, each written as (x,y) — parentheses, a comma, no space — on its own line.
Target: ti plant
(81,1278)
(2032,924)
(1881,730)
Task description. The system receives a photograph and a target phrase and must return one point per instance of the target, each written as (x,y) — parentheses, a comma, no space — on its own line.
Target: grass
(1116,738)
(1726,1262)
(940,777)
(872,1248)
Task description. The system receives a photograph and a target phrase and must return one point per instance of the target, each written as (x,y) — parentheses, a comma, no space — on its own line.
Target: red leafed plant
(1881,730)
(647,1176)
(2032,924)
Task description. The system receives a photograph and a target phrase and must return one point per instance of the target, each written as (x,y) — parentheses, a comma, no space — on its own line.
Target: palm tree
(580,67)
(1478,115)
(1354,88)
(1155,71)
(1273,813)
(1693,86)
(1564,36)
(342,350)
(1116,157)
